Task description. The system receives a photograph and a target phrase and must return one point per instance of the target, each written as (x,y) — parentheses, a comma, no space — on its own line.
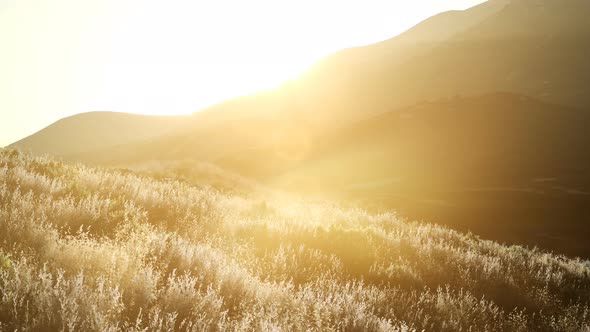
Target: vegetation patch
(105,250)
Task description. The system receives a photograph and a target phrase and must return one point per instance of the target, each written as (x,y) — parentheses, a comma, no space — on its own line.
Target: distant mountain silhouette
(537,48)
(415,41)
(96,130)
(532,47)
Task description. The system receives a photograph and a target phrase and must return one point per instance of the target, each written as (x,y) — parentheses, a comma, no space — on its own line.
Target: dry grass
(106,250)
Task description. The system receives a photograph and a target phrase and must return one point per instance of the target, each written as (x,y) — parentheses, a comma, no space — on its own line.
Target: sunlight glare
(63,57)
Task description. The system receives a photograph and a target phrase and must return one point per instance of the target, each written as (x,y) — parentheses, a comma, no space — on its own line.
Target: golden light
(62,57)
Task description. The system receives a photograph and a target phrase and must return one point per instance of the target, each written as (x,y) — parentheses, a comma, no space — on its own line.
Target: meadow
(97,249)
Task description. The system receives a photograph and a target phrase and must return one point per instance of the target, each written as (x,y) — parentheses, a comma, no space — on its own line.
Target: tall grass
(108,250)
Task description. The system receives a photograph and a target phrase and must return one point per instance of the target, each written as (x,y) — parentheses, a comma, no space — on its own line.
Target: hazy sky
(61,57)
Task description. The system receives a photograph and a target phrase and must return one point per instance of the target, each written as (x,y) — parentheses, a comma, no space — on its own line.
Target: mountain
(96,130)
(537,48)
(415,41)
(534,47)
(346,82)
(307,105)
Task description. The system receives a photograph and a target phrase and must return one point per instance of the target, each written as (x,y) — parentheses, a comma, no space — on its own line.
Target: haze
(65,57)
(295,166)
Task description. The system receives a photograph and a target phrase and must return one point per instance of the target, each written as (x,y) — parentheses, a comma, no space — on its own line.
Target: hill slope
(503,166)
(96,130)
(535,47)
(532,47)
(500,159)
(93,249)
(338,84)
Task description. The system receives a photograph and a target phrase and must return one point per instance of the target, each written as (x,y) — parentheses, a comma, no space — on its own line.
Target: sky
(62,57)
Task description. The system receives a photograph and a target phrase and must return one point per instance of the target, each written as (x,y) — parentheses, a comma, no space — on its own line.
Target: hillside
(345,83)
(96,130)
(501,159)
(493,139)
(503,166)
(94,249)
(532,47)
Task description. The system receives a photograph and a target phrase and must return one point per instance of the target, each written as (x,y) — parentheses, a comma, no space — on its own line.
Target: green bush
(5,262)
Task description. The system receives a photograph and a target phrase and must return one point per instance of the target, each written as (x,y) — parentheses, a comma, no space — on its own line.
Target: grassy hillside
(93,249)
(501,159)
(498,159)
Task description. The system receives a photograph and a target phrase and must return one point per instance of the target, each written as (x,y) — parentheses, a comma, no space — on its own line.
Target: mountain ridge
(93,130)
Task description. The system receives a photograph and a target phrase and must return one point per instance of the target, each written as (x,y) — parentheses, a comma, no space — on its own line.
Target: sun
(198,55)
(181,56)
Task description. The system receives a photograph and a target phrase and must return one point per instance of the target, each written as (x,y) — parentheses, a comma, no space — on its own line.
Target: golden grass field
(92,249)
